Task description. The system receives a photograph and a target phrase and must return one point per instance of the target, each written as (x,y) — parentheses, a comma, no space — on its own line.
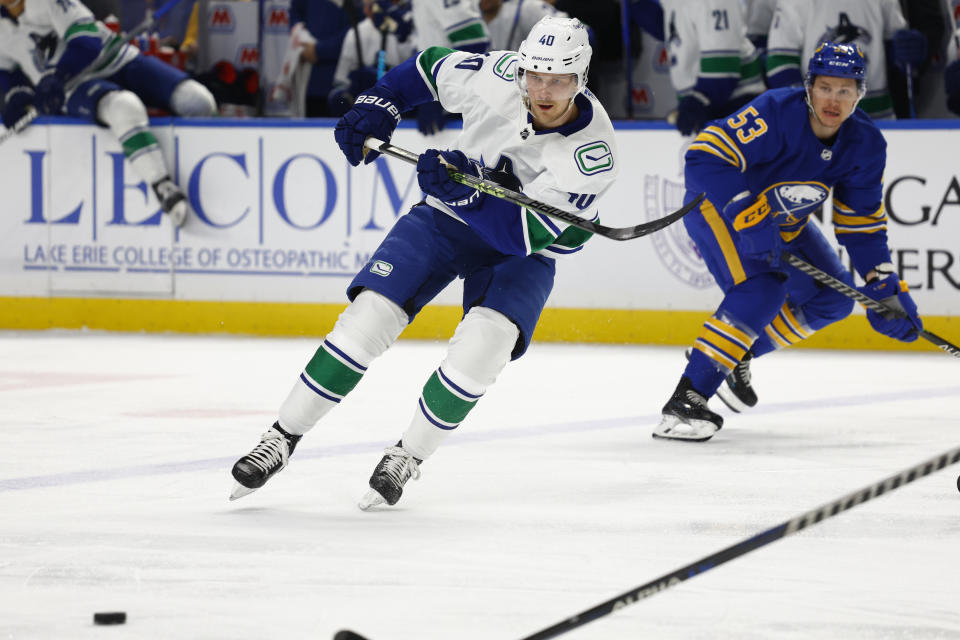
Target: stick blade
(640,230)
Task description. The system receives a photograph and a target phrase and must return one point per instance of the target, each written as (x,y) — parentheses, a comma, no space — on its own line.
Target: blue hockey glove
(893,292)
(951,81)
(393,18)
(435,180)
(759,231)
(909,46)
(373,114)
(50,93)
(339,101)
(692,114)
(361,79)
(431,118)
(16,103)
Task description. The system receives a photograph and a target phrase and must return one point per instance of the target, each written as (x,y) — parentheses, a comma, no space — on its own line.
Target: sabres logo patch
(797,198)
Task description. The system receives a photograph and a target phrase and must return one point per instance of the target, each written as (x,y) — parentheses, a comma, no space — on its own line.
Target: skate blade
(672,428)
(371,499)
(239,491)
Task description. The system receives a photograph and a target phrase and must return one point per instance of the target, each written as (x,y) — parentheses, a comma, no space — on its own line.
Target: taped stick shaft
(790,527)
(867,301)
(498,191)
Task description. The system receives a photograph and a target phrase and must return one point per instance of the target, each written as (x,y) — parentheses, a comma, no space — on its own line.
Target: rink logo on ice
(381,268)
(594,157)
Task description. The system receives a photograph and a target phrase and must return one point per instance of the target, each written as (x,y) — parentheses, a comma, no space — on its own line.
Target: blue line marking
(512,432)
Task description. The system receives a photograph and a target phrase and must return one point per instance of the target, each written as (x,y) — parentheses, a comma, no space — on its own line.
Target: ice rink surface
(550,498)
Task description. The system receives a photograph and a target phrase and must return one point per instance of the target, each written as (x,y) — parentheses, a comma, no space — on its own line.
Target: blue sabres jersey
(769,148)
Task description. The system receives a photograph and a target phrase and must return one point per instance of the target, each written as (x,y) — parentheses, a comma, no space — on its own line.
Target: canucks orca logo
(846,32)
(796,199)
(44,46)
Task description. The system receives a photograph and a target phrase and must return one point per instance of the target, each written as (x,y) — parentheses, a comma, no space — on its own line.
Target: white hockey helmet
(555,45)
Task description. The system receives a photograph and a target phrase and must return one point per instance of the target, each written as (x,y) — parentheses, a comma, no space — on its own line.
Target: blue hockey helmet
(838,61)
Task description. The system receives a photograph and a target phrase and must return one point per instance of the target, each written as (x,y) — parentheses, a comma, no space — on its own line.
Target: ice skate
(687,417)
(267,459)
(386,484)
(736,391)
(173,201)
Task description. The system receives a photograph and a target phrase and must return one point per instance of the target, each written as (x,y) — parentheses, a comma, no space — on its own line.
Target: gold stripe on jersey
(720,342)
(716,142)
(786,329)
(710,149)
(725,363)
(731,146)
(780,341)
(731,332)
(724,240)
(845,220)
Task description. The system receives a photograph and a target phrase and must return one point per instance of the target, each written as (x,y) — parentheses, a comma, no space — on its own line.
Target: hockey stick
(108,51)
(788,528)
(517,198)
(865,300)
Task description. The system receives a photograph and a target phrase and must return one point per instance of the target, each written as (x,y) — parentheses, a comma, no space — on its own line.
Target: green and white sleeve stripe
(427,63)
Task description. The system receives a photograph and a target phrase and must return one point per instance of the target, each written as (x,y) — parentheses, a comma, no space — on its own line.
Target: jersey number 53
(748,124)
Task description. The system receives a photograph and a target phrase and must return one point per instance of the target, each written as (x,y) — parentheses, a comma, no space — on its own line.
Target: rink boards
(283,224)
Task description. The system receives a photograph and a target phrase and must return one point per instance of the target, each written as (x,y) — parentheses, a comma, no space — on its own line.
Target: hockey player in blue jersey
(765,170)
(49,44)
(527,123)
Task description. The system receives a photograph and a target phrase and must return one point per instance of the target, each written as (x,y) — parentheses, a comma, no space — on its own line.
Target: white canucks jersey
(570,167)
(515,19)
(449,23)
(707,40)
(799,26)
(759,16)
(371,39)
(38,37)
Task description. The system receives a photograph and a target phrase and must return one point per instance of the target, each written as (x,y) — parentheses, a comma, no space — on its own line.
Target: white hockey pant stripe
(124,113)
(365,329)
(479,350)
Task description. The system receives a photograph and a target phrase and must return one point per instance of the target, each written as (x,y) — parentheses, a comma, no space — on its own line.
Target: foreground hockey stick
(790,527)
(865,300)
(517,198)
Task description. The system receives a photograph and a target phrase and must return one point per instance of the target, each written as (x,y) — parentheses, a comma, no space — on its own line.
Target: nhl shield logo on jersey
(826,154)
(797,198)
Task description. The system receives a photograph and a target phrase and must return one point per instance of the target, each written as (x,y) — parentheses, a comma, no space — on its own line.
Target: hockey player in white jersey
(50,45)
(529,123)
(714,68)
(509,21)
(799,26)
(456,24)
(442,23)
(393,38)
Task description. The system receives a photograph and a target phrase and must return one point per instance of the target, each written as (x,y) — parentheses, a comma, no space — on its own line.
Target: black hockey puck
(958,483)
(110,617)
(346,634)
